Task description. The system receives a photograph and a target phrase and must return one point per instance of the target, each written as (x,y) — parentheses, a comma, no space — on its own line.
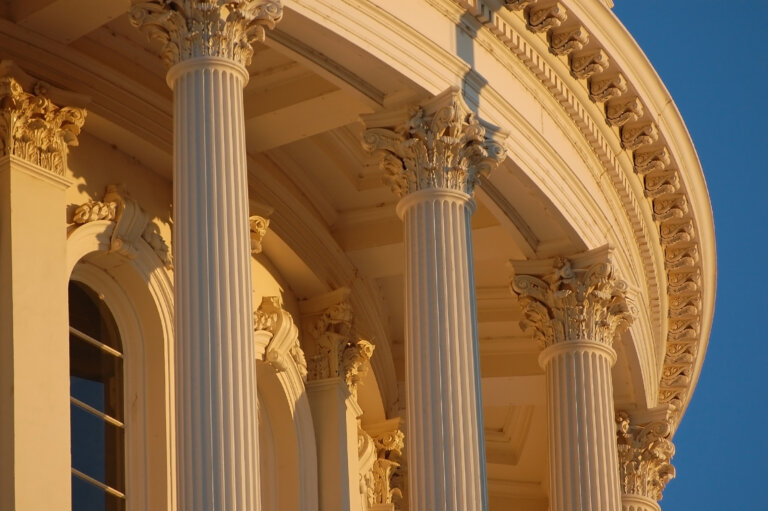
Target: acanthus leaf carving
(131,224)
(621,111)
(586,63)
(605,87)
(32,127)
(645,453)
(563,41)
(206,28)
(440,145)
(542,18)
(573,303)
(284,347)
(384,485)
(258,227)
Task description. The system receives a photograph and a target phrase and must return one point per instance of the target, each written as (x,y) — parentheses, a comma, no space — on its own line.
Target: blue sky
(713,57)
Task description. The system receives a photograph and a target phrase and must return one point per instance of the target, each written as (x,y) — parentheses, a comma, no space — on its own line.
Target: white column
(575,308)
(208,45)
(433,155)
(644,454)
(35,459)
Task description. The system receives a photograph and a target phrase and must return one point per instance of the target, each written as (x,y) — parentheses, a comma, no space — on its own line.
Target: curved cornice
(597,57)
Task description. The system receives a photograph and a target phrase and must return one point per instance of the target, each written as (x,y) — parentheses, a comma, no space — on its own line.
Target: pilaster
(207,44)
(575,307)
(35,461)
(433,155)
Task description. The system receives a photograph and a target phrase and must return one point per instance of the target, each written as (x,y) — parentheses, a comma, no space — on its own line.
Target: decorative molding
(340,353)
(32,127)
(259,226)
(574,299)
(644,452)
(283,348)
(646,147)
(586,63)
(131,224)
(383,481)
(563,41)
(206,28)
(438,144)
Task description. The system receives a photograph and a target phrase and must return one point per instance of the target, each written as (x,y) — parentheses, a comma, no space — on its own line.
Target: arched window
(97,410)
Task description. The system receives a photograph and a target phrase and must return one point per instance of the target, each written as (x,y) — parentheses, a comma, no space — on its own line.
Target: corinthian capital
(32,127)
(206,28)
(437,144)
(573,299)
(645,452)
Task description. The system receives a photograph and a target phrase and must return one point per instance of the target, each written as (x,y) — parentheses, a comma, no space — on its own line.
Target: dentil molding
(206,28)
(438,144)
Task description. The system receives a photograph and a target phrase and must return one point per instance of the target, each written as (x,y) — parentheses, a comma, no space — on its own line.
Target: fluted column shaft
(446,460)
(215,381)
(583,465)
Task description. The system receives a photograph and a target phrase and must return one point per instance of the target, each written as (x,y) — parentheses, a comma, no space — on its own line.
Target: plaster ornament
(651,160)
(568,303)
(542,18)
(660,183)
(33,128)
(516,5)
(675,232)
(668,206)
(563,41)
(189,29)
(385,485)
(621,111)
(259,226)
(604,87)
(131,224)
(585,64)
(284,347)
(645,452)
(438,144)
(636,135)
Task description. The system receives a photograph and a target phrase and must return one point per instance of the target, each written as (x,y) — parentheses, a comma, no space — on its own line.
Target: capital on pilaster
(572,299)
(645,452)
(382,481)
(206,28)
(438,144)
(32,126)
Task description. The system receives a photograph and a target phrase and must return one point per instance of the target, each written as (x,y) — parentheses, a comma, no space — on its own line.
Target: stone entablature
(645,452)
(637,134)
(32,126)
(206,28)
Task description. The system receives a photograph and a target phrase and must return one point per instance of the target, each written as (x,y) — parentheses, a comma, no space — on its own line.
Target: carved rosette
(573,304)
(440,145)
(33,128)
(645,452)
(206,28)
(131,224)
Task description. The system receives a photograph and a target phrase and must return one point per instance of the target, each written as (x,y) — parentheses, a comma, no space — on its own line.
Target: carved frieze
(572,300)
(645,452)
(259,226)
(32,127)
(438,144)
(131,224)
(206,28)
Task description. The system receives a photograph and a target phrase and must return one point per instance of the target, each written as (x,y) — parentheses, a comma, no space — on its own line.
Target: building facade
(343,255)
